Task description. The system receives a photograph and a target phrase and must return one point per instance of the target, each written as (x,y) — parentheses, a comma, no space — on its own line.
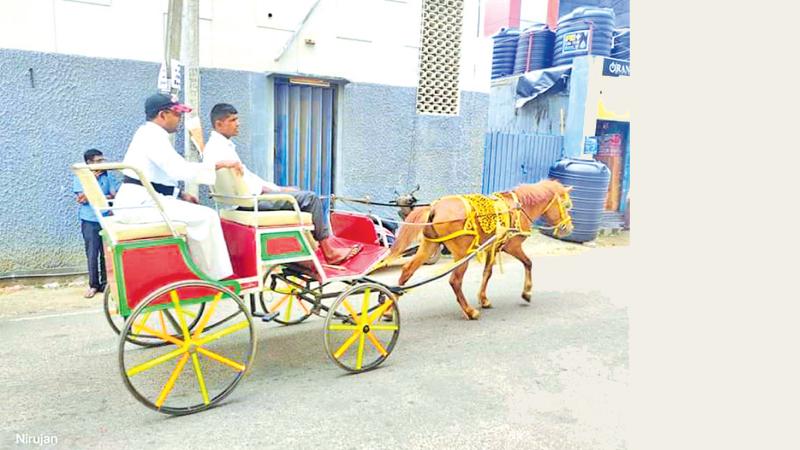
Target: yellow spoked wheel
(201,366)
(362,327)
(284,299)
(192,313)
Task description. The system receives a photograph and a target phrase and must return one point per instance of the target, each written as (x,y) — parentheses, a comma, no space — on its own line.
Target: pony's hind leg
(514,248)
(487,273)
(424,252)
(456,281)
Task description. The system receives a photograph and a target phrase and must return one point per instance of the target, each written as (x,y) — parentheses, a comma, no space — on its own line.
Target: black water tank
(589,180)
(534,49)
(504,52)
(577,28)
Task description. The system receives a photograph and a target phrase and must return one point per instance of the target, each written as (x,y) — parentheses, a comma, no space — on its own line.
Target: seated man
(225,120)
(151,151)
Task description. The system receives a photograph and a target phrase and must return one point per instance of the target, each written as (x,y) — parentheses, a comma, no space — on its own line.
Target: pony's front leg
(424,252)
(487,273)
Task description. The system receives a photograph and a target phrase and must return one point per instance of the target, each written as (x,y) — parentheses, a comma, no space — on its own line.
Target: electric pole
(190,57)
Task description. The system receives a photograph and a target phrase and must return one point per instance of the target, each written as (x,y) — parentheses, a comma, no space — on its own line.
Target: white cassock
(151,152)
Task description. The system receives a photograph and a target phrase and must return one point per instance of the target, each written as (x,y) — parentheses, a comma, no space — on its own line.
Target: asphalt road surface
(549,375)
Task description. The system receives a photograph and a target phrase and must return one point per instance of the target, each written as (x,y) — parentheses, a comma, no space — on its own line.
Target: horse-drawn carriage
(157,297)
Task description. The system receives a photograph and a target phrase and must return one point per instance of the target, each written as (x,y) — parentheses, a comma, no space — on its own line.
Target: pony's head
(550,200)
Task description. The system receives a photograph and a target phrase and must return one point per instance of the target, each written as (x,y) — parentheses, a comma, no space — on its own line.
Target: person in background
(90,225)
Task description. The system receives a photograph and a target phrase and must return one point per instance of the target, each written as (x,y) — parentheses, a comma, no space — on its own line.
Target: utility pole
(190,57)
(172,44)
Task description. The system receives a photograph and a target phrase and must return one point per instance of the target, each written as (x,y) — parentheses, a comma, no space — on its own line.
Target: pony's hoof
(526,296)
(486,304)
(474,314)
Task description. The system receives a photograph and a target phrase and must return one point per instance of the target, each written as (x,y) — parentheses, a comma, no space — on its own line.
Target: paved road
(550,375)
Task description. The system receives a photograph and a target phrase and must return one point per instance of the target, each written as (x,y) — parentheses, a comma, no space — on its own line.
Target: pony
(452,221)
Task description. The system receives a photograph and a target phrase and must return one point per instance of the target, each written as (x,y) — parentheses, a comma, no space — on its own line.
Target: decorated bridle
(564,205)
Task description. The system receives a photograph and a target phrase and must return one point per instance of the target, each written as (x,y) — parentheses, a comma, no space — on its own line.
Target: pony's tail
(415,223)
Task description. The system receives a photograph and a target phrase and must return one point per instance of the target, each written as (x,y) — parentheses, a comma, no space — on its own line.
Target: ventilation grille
(440,57)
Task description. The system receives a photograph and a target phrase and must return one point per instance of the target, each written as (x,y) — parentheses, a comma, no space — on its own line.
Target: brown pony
(448,215)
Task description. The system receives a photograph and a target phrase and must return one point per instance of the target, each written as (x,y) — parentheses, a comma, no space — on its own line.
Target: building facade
(74,75)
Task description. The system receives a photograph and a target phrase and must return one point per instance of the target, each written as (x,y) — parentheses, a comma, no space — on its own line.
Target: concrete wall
(385,145)
(57,106)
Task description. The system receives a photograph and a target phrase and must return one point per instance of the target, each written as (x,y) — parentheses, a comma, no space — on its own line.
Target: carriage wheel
(201,366)
(358,337)
(117,320)
(291,307)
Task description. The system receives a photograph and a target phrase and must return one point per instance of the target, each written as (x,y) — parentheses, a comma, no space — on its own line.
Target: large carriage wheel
(117,320)
(358,335)
(202,366)
(284,299)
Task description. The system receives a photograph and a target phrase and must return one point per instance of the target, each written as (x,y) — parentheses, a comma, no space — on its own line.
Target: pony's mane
(534,194)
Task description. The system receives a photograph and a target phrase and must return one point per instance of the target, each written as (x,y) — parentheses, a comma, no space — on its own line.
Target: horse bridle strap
(562,210)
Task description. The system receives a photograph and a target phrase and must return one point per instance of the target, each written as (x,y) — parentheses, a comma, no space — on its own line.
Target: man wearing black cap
(151,152)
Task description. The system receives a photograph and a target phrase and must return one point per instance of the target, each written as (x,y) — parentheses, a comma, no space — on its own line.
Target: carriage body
(157,296)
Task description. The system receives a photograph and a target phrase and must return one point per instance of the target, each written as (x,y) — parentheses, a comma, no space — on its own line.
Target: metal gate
(513,158)
(304,124)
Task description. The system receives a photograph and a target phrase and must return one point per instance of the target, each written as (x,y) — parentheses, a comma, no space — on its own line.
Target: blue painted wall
(69,105)
(386,145)
(75,103)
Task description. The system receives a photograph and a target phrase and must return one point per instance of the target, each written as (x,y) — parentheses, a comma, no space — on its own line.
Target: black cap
(160,102)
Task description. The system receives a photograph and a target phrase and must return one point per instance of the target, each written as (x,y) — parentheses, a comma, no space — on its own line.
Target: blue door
(304,136)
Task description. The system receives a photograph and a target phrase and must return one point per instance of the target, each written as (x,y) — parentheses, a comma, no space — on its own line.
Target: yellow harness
(492,214)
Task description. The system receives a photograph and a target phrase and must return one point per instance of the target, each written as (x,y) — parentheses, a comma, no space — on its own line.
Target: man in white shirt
(225,120)
(151,151)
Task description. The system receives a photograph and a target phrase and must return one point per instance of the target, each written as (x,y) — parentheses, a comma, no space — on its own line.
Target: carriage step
(270,316)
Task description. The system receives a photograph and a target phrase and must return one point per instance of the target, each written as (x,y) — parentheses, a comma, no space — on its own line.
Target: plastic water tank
(580,29)
(589,180)
(621,48)
(534,49)
(504,52)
